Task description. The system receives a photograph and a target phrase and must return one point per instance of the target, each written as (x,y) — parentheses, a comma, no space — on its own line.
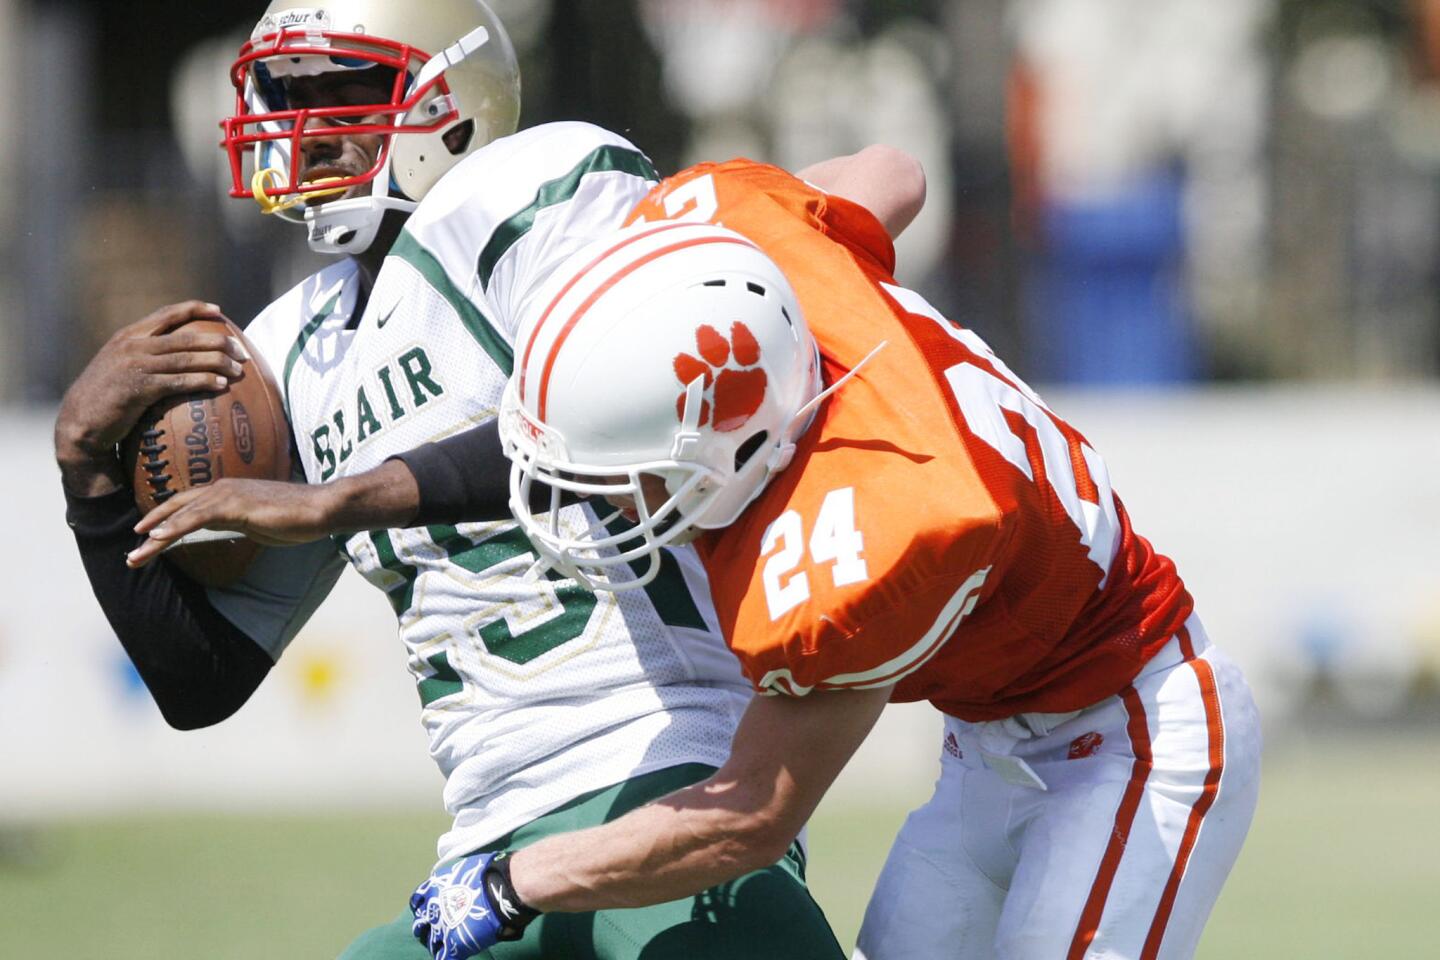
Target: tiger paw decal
(734,387)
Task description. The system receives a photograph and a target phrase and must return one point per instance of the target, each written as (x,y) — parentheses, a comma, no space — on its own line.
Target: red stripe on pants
(1215,729)
(1139,732)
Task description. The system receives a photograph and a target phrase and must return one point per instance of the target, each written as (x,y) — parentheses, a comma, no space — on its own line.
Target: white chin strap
(350,226)
(452,55)
(784,451)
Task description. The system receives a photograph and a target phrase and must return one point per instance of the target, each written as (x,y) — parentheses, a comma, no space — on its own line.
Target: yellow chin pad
(274,176)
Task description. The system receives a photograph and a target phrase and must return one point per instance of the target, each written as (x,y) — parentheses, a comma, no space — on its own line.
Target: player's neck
(373,257)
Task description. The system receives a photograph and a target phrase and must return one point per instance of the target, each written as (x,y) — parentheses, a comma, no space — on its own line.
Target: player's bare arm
(141,364)
(461,478)
(888,182)
(786,754)
(283,514)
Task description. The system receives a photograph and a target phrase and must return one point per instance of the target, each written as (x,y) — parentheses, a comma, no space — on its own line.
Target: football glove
(468,906)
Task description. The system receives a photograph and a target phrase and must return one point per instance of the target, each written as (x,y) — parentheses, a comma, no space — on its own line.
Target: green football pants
(765,914)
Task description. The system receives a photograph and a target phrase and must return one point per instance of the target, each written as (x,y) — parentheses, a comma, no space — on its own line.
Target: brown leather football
(194,439)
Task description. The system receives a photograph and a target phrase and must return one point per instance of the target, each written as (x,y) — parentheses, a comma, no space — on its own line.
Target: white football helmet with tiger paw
(456,88)
(671,351)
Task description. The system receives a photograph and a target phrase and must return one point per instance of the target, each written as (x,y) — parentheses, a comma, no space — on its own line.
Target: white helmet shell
(674,350)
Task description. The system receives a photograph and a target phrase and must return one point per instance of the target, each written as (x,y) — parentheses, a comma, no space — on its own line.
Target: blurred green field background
(1343,862)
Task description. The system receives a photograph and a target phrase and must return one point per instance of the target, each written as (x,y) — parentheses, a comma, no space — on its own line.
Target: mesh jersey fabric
(531,692)
(1000,573)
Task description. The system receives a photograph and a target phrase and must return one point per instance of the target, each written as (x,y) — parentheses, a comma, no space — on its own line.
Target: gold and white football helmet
(456,88)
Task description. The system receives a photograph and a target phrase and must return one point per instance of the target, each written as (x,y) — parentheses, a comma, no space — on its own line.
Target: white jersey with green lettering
(532,692)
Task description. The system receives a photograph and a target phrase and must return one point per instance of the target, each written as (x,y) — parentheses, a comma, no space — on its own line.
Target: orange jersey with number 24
(939,529)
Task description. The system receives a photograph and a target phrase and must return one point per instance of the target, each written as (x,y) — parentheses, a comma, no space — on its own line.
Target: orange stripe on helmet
(600,291)
(550,308)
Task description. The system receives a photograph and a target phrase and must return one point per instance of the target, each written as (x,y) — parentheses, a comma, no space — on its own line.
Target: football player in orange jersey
(938,534)
(887,513)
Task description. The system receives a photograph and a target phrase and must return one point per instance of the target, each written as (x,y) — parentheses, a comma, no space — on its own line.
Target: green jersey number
(668,594)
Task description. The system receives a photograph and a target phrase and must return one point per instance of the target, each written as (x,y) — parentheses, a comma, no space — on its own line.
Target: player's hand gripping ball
(453,913)
(194,439)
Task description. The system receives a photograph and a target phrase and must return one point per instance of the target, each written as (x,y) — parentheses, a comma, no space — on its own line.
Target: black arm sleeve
(466,478)
(197,665)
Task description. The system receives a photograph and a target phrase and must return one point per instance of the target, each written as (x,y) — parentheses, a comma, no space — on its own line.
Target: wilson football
(194,439)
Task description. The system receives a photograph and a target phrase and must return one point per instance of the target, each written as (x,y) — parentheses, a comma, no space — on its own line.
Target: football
(191,440)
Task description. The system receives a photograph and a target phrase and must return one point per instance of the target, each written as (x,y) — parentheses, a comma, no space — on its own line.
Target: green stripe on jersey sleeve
(608,158)
(407,248)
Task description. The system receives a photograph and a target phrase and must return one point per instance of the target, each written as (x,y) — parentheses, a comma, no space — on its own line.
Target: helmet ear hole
(749,448)
(457,138)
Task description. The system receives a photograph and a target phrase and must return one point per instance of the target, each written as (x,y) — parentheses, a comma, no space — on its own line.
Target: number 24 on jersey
(834,540)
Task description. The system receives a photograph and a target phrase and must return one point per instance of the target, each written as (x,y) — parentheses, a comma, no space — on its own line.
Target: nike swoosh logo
(385,318)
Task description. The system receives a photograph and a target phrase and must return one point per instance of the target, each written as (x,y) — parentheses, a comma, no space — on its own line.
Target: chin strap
(687,439)
(273,177)
(783,452)
(536,570)
(451,55)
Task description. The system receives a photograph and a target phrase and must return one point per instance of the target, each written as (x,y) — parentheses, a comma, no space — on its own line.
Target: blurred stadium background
(1209,229)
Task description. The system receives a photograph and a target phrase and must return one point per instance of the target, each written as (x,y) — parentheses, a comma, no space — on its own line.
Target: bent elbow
(774,847)
(193,708)
(899,167)
(185,722)
(903,176)
(763,839)
(191,716)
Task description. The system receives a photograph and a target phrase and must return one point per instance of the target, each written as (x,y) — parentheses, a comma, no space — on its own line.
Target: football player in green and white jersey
(547,707)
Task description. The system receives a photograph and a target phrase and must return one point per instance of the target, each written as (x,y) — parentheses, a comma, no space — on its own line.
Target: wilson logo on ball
(197,445)
(734,388)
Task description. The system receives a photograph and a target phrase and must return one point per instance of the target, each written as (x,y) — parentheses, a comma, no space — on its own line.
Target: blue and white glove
(468,906)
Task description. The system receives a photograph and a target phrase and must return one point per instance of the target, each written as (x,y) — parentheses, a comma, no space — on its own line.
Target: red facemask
(263,120)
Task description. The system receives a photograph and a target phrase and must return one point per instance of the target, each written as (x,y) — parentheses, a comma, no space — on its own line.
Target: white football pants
(1104,834)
